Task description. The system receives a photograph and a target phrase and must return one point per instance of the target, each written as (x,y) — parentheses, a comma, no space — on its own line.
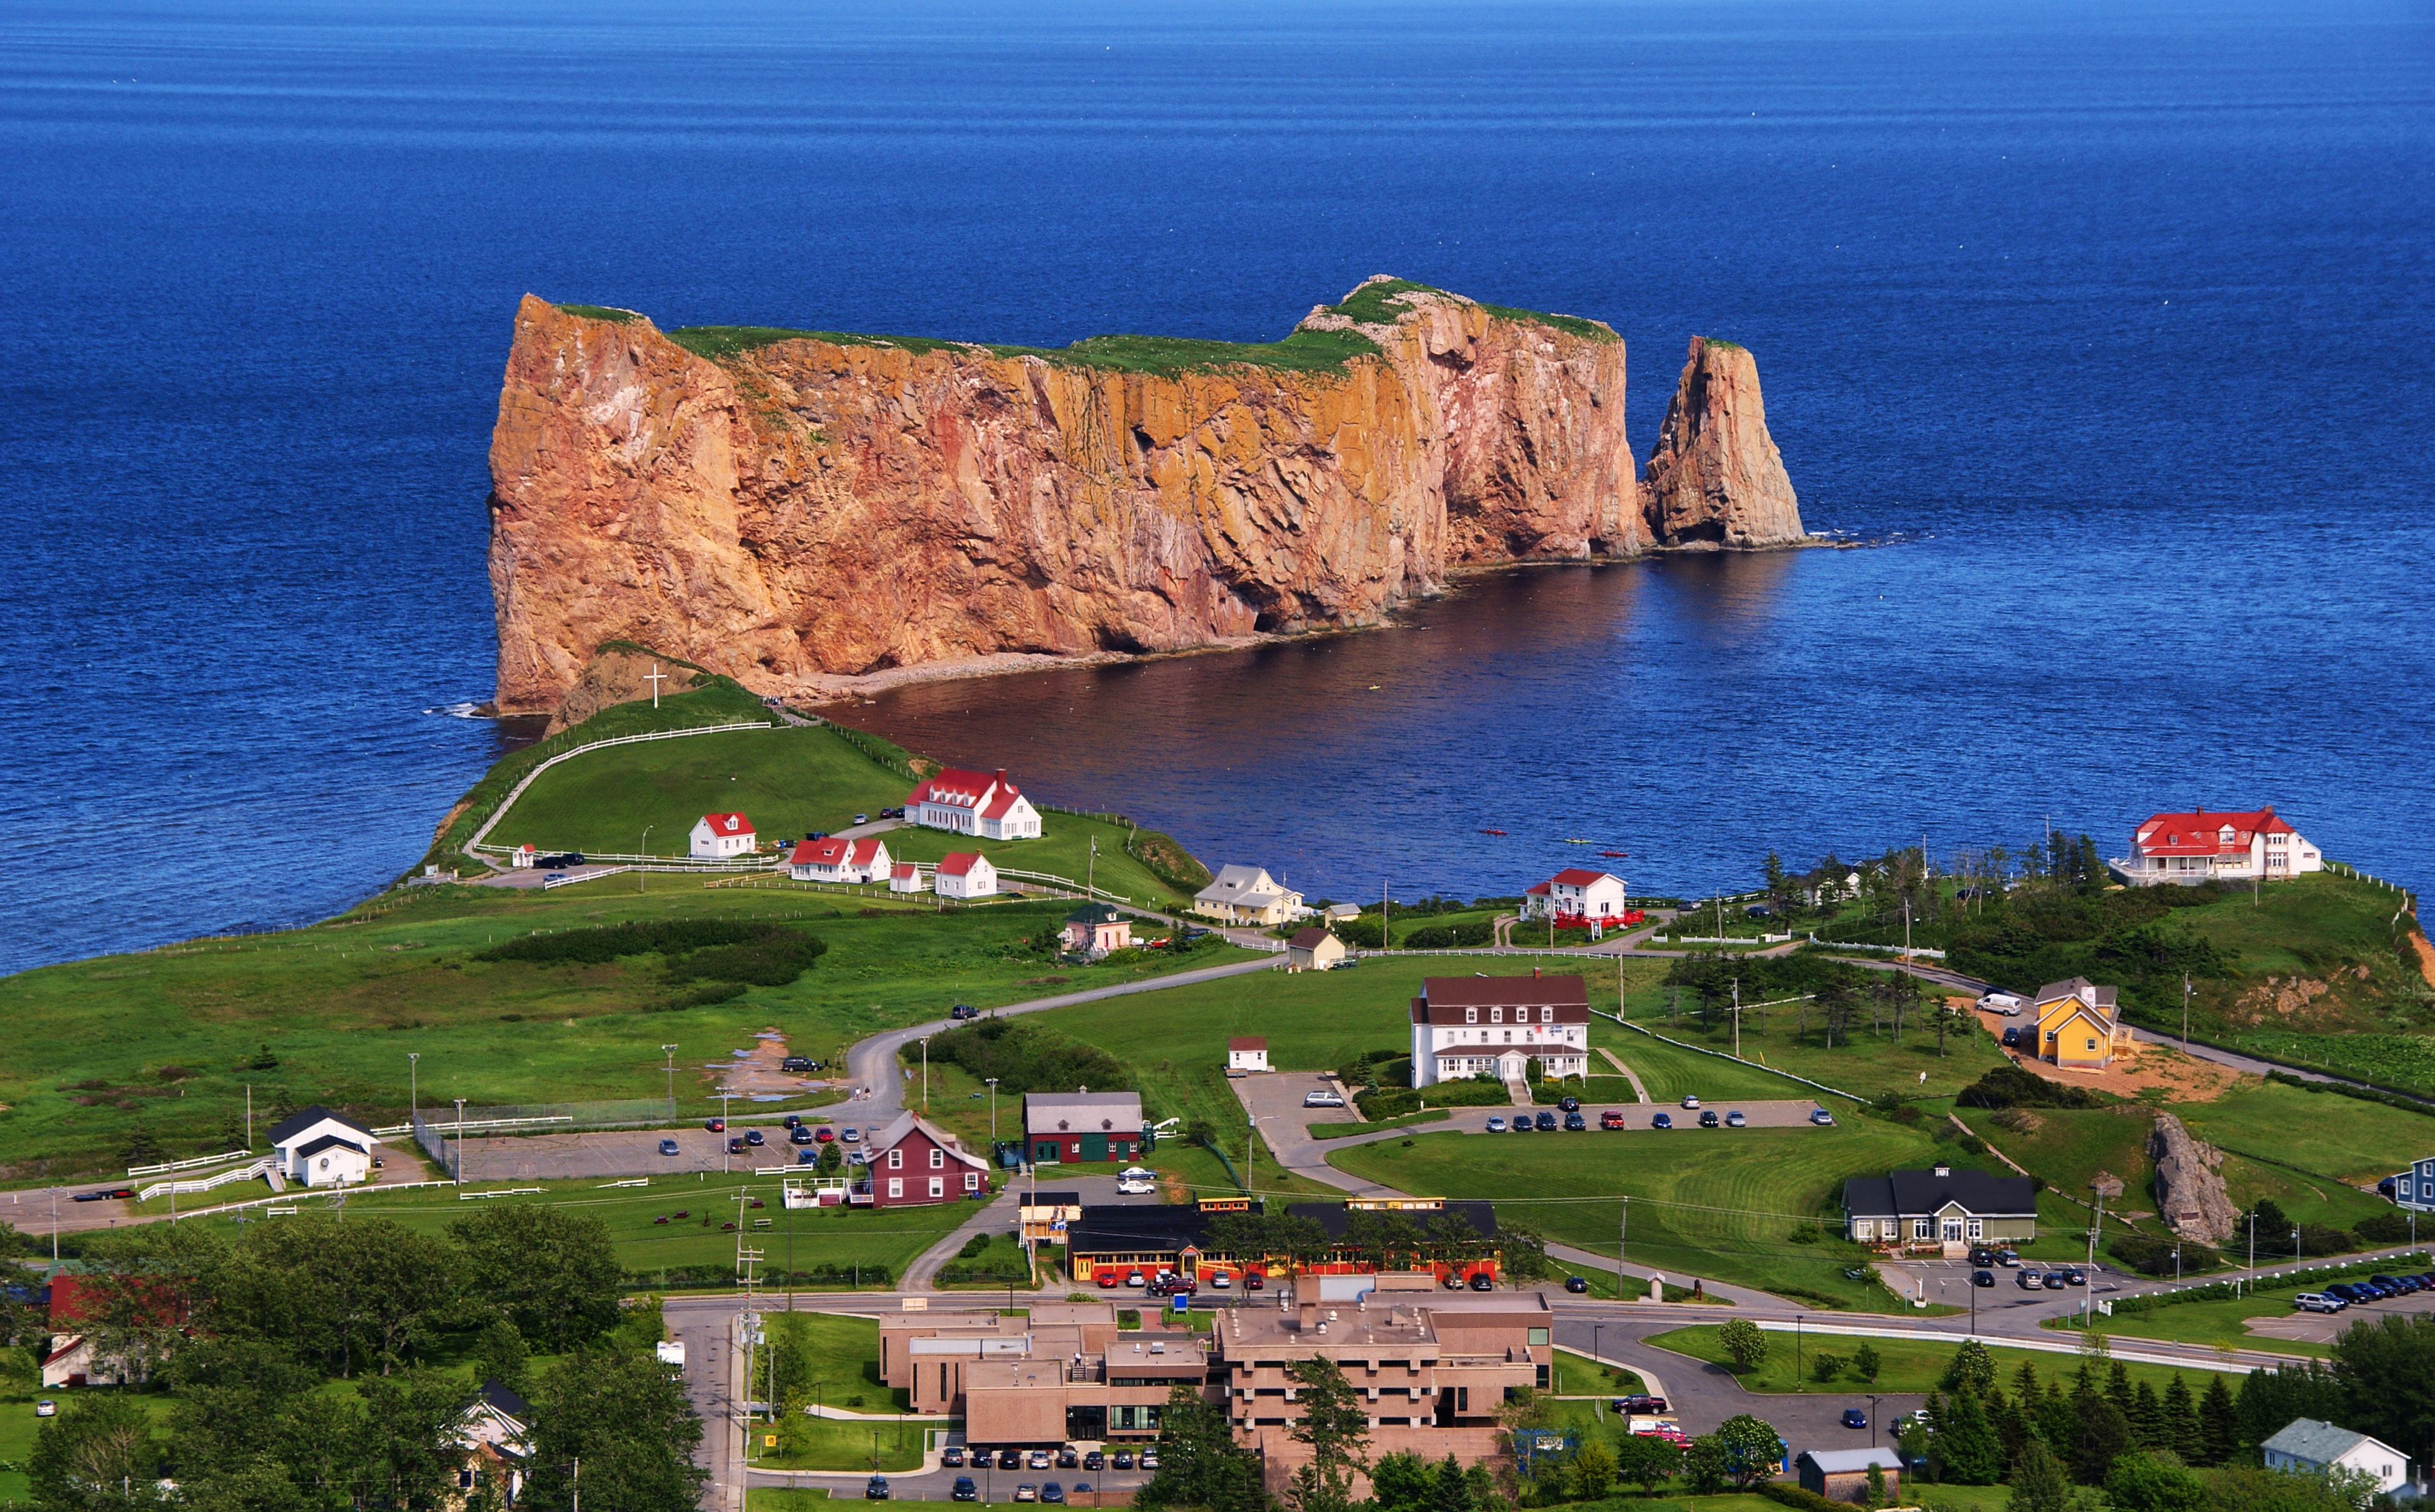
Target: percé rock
(2190,1196)
(793,507)
(1715,478)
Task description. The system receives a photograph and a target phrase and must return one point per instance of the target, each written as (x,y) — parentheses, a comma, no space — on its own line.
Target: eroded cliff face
(803,507)
(1715,478)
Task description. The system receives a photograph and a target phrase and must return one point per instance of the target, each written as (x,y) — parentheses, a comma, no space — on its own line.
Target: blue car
(668,1147)
(1053,1493)
(1855,1417)
(1547,1123)
(1661,1121)
(1522,1124)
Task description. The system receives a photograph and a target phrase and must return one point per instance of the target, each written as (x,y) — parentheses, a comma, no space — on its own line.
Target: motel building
(1462,1025)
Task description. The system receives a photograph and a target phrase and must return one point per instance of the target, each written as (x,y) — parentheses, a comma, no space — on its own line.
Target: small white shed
(1246,1053)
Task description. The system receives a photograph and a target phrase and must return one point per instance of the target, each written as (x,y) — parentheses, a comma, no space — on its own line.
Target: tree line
(319,1362)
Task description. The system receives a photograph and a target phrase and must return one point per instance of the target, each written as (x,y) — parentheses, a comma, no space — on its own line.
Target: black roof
(311,1116)
(1051,1199)
(1138,1225)
(498,1396)
(1333,1217)
(1905,1193)
(328,1141)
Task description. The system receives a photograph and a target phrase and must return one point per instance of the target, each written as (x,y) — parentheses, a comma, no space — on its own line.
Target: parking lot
(1642,1117)
(617,1152)
(2323,1328)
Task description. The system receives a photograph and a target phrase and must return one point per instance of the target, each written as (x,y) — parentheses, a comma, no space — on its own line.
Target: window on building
(1922,1229)
(1471,1015)
(896,1159)
(972,1180)
(1977,1229)
(1543,1378)
(1538,1336)
(937,1159)
(1497,1015)
(938,1186)
(897,1186)
(1547,1015)
(2091,1043)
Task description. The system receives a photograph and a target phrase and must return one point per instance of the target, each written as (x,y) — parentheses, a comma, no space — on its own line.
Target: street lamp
(461,1141)
(1874,1400)
(647,855)
(671,1051)
(992,1086)
(411,1057)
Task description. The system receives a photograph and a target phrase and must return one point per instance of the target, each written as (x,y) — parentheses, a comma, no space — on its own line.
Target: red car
(736,1146)
(825,1135)
(1610,1119)
(716,1126)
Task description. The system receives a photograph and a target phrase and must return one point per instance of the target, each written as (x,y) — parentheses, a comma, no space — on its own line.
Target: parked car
(800,1134)
(797,1063)
(825,1134)
(1254,1281)
(2318,1302)
(1036,1460)
(1081,1488)
(1124,1460)
(1983,1277)
(952,1458)
(1576,1285)
(735,1145)
(1821,1118)
(1690,1102)
(1576,1122)
(1570,1104)
(1612,1117)
(2073,1276)
(808,1155)
(46,1408)
(1482,1282)
(852,1136)
(2008,1257)
(2012,1035)
(1855,1417)
(876,1489)
(1134,1278)
(1053,1494)
(670,1147)
(2347,1294)
(1981,1255)
(716,1126)
(1547,1123)
(1026,1493)
(1149,1459)
(862,818)
(1321,1099)
(1067,1459)
(1009,1459)
(1708,1118)
(2055,1280)
(2029,1280)
(2401,1285)
(1661,1121)
(1639,1405)
(1094,1461)
(963,1010)
(1496,1125)
(1520,1123)
(965,1490)
(752,1137)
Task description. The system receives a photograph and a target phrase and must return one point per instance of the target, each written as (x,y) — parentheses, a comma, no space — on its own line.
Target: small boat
(1576,840)
(1492,832)
(1623,854)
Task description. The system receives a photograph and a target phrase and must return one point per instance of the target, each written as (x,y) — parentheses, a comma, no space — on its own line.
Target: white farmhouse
(964,874)
(2309,1446)
(2208,847)
(319,1148)
(1247,895)
(1462,1025)
(970,803)
(854,861)
(1575,893)
(905,876)
(718,837)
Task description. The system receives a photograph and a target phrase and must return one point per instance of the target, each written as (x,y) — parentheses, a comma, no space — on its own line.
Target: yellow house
(2078,1025)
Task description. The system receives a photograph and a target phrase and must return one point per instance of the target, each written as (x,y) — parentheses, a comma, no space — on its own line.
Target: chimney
(1941,1169)
(1309,1316)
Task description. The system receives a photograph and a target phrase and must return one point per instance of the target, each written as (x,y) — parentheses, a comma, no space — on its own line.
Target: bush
(1028,1056)
(2009,1086)
(697,949)
(1391,1102)
(2155,1257)
(1450,937)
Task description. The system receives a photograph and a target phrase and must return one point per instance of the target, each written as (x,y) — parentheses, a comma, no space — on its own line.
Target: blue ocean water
(2112,320)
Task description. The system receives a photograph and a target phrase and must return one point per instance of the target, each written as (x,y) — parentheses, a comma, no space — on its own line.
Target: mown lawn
(889,1447)
(2338,1138)
(1672,1072)
(1869,1063)
(1723,1209)
(166,1036)
(844,1352)
(1906,1364)
(788,781)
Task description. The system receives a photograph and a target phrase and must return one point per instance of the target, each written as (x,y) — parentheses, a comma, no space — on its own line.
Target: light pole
(671,1051)
(727,1136)
(411,1057)
(925,1073)
(2186,1013)
(992,1086)
(646,846)
(1595,1357)
(461,1141)
(1874,1400)
(1796,1351)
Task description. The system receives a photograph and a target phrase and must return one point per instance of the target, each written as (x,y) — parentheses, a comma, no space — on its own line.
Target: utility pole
(925,1073)
(248,1118)
(1737,1018)
(647,855)
(671,1051)
(461,1141)
(726,1100)
(411,1057)
(1089,878)
(1250,1143)
(992,1086)
(1622,1233)
(2186,1013)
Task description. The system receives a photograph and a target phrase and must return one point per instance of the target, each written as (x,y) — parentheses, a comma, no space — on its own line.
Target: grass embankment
(1906,1364)
(1299,352)
(843,1356)
(170,1037)
(1723,1205)
(1340,1131)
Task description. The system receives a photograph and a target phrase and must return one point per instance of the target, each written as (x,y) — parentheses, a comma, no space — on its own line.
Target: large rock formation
(786,508)
(1715,478)
(2190,1196)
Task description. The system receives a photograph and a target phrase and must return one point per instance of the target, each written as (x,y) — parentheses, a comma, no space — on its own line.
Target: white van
(2008,1004)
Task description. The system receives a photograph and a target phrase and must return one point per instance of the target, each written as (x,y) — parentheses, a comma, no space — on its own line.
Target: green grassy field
(1672,1072)
(1724,1209)
(17,1425)
(1062,850)
(2341,1139)
(1578,1375)
(339,1005)
(788,781)
(1869,1063)
(885,1445)
(844,1352)
(1909,1365)
(1341,1131)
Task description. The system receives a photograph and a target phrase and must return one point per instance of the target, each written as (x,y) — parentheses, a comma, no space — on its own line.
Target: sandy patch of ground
(2182,1078)
(758,1072)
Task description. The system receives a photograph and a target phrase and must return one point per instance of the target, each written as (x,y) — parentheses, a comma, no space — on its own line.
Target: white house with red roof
(1577,894)
(721,836)
(907,876)
(984,806)
(964,874)
(1464,1026)
(832,860)
(2208,846)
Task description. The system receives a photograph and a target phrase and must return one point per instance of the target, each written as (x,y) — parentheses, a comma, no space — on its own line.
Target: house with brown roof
(1315,949)
(2080,1024)
(1245,1053)
(1464,1026)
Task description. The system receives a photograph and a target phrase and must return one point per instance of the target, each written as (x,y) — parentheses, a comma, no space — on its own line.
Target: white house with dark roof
(964,874)
(833,860)
(1248,894)
(2205,846)
(986,806)
(1943,1208)
(319,1148)
(1246,1053)
(1464,1026)
(2309,1446)
(723,836)
(495,1433)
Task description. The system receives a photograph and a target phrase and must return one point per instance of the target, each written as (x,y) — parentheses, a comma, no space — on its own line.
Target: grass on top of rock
(1300,351)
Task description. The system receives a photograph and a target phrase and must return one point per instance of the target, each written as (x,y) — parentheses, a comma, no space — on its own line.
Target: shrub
(1028,1056)
(722,949)
(2009,1086)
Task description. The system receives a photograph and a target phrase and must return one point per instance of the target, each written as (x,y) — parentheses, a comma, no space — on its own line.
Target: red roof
(1247,1043)
(728,823)
(2200,832)
(905,868)
(1575,877)
(958,863)
(1540,891)
(957,788)
(819,852)
(1005,800)
(862,852)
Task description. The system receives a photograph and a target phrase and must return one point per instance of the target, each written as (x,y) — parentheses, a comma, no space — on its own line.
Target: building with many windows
(1943,1209)
(1464,1026)
(2203,846)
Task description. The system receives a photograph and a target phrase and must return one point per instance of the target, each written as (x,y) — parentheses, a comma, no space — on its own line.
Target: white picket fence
(210,1183)
(483,834)
(195,1163)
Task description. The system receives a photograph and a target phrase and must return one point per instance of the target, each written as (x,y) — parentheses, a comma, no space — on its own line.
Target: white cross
(655,680)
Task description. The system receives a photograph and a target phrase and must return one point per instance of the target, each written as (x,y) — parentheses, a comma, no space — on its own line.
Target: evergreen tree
(2038,1483)
(2059,1419)
(1398,1483)
(2386,1372)
(2218,1423)
(2117,1391)
(1199,1464)
(2025,1386)
(1451,1489)
(2147,1417)
(1966,1450)
(1336,1427)
(2104,1437)
(2181,1434)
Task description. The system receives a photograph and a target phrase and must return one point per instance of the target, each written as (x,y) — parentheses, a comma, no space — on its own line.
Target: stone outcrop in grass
(2190,1196)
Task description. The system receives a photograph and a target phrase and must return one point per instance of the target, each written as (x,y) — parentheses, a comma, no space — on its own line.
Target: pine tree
(1966,1451)
(1336,1427)
(2025,1386)
(1450,1489)
(2181,1434)
(2219,1420)
(2147,1417)
(2038,1483)
(2104,1437)
(2117,1391)
(1973,1370)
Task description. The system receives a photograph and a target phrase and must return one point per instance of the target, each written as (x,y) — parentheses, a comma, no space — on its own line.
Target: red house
(912,1163)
